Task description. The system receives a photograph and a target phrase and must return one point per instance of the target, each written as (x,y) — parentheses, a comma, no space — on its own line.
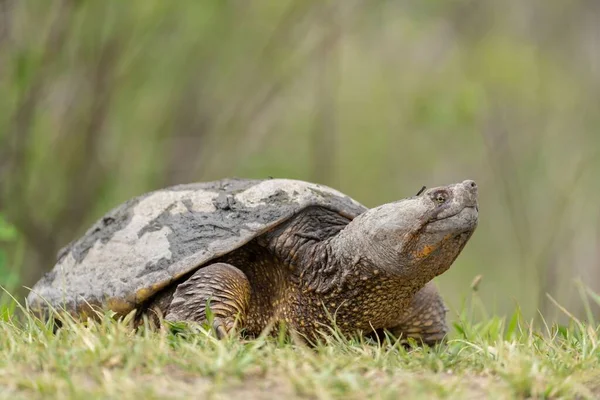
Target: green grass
(497,358)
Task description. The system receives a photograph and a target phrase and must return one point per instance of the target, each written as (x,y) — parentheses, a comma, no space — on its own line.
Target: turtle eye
(440,197)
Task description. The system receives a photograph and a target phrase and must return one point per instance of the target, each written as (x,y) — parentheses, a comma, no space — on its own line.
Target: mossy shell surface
(152,241)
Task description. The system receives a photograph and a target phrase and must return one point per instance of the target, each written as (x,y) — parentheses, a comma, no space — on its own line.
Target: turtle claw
(220,328)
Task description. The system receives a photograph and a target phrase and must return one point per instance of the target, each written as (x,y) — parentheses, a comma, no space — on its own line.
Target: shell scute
(148,242)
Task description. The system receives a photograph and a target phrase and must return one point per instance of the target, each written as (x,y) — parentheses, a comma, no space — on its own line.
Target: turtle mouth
(464,220)
(468,209)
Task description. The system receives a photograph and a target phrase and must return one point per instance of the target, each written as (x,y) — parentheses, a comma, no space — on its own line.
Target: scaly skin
(368,274)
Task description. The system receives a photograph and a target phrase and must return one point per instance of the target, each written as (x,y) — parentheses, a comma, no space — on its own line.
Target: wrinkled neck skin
(325,252)
(371,257)
(304,245)
(412,260)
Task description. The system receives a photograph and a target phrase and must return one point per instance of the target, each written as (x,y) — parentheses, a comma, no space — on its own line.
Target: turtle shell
(153,240)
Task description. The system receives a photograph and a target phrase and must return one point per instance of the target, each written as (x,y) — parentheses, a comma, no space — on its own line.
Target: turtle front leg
(223,287)
(425,318)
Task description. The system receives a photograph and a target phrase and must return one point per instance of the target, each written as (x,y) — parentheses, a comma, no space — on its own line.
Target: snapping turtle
(266,251)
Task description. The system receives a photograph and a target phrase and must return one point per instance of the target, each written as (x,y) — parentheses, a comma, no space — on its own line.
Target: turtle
(251,253)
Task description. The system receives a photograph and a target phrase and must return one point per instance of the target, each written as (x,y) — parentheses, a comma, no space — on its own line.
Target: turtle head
(420,236)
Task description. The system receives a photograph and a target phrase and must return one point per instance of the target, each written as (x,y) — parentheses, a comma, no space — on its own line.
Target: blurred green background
(102,100)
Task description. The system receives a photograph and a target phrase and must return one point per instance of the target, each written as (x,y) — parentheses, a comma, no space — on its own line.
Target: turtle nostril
(470,184)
